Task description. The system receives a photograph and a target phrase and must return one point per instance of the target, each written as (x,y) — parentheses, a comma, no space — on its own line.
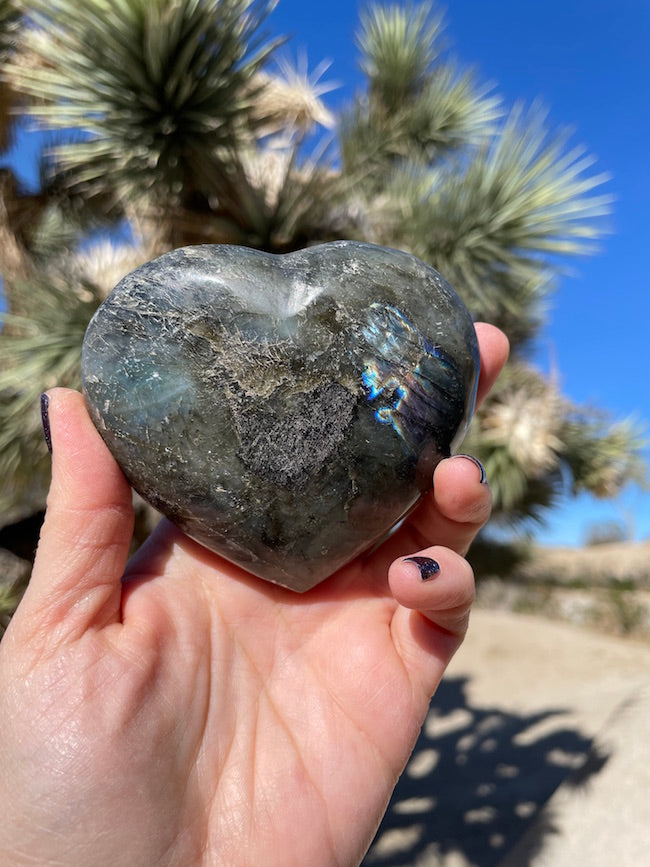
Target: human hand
(178,711)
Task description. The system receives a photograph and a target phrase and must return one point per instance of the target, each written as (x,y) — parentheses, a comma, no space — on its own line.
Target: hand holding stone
(179,711)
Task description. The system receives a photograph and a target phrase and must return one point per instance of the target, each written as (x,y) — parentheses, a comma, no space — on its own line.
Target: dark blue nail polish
(481,468)
(45,418)
(428,567)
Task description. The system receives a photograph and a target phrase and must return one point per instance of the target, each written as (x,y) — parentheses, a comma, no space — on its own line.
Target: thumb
(84,544)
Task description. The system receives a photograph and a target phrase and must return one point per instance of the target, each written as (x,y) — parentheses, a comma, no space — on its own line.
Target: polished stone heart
(284,411)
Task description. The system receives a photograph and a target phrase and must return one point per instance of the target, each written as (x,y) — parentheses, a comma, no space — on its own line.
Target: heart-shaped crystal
(284,411)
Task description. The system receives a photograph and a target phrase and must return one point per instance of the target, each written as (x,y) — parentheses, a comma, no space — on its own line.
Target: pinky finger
(435,592)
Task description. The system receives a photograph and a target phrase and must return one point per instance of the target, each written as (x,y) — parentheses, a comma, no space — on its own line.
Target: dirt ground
(604,587)
(526,715)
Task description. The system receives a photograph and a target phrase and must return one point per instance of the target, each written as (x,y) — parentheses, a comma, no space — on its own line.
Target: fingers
(456,508)
(451,513)
(435,590)
(438,583)
(494,349)
(85,539)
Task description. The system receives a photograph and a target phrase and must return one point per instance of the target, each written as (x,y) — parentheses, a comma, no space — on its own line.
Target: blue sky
(589,63)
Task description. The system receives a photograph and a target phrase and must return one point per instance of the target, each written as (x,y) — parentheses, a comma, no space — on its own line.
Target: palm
(317,709)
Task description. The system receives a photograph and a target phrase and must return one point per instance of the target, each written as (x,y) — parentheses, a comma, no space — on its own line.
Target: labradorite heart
(284,411)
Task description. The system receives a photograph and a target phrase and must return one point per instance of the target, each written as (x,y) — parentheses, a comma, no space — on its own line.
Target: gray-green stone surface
(284,411)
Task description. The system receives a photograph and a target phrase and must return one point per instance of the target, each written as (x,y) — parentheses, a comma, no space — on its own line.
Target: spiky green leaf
(37,351)
(398,46)
(161,90)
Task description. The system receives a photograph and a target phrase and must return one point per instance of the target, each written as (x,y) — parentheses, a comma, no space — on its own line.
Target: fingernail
(45,418)
(481,468)
(428,567)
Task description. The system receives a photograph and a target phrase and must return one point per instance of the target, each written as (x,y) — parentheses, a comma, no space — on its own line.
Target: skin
(177,711)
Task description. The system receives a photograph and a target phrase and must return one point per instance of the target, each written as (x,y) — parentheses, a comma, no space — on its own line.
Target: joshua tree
(173,123)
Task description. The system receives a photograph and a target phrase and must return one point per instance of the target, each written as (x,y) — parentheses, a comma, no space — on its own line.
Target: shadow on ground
(477,779)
